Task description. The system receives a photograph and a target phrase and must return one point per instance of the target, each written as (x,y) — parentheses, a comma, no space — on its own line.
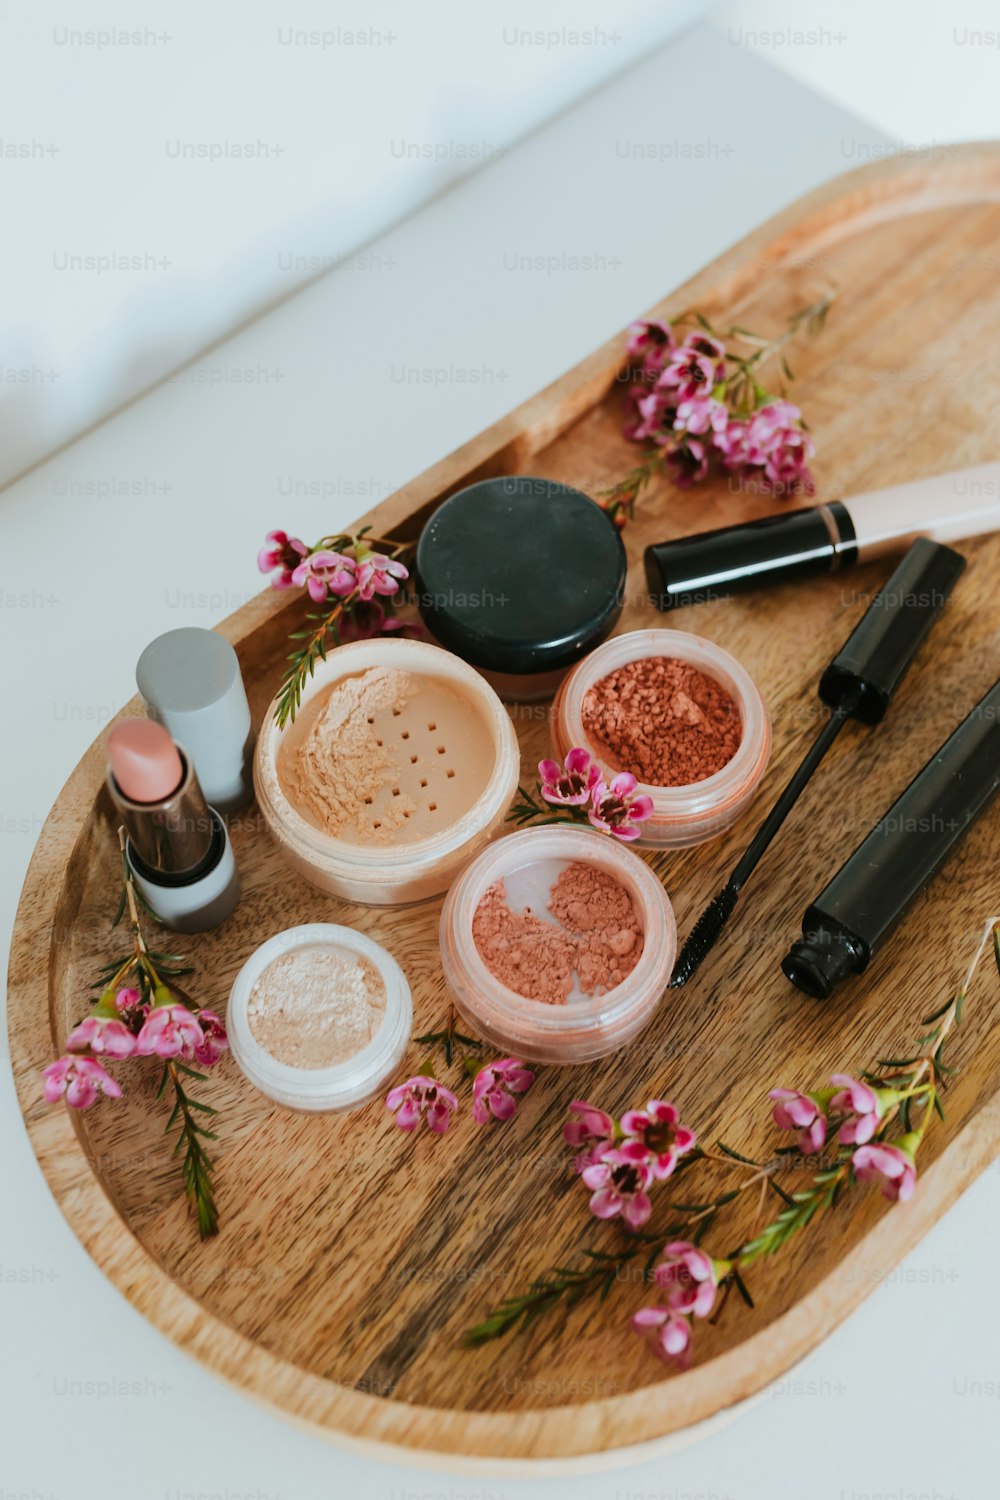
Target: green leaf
(747,1161)
(742,1288)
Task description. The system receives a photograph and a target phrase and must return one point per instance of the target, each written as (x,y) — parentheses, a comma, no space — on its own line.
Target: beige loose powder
(316,1007)
(386,757)
(343,761)
(598,937)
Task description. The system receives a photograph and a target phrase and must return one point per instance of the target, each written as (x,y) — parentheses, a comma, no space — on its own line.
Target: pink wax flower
(690,372)
(688,462)
(618,1183)
(170,1031)
(379,575)
(861,1106)
(709,346)
(367,619)
(591,1135)
(214,1040)
(652,343)
(775,441)
(283,552)
(422,1098)
(659,1131)
(570,785)
(616,809)
(326,575)
(79,1080)
(787,468)
(891,1166)
(496,1088)
(689,1277)
(132,1009)
(731,441)
(700,414)
(652,413)
(769,422)
(668,1334)
(801,1112)
(103,1035)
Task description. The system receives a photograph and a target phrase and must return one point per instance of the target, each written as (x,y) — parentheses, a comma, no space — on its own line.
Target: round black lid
(520,575)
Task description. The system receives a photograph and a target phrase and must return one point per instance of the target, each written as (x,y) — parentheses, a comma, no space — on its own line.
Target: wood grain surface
(352,1257)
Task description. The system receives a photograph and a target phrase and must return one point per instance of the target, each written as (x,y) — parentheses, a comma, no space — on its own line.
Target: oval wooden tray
(351,1258)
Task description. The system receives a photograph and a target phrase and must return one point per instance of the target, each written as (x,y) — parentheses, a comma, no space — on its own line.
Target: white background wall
(135,234)
(922,71)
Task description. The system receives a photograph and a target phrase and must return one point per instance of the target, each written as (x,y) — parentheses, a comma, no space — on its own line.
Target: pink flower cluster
(138,1030)
(620,1162)
(495,1094)
(681,403)
(853,1110)
(612,807)
(690,1279)
(327,574)
(422,1099)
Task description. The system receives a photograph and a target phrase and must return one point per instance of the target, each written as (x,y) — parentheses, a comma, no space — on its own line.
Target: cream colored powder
(316,1007)
(345,761)
(386,757)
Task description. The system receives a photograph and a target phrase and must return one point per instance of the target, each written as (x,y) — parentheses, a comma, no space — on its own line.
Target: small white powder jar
(456,762)
(347,1084)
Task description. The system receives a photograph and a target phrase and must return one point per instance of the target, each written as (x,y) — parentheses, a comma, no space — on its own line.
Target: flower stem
(197,1164)
(812,316)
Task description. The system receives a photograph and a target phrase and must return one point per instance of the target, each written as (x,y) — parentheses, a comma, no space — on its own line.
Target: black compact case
(521,577)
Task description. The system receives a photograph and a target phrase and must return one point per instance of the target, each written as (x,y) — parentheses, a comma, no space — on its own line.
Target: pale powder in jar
(316,1007)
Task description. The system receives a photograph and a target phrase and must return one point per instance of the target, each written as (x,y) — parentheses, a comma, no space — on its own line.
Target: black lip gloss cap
(736,559)
(818,963)
(871,892)
(520,575)
(871,664)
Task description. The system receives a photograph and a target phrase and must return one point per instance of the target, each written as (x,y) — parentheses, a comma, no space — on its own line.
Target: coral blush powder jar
(730,729)
(523,871)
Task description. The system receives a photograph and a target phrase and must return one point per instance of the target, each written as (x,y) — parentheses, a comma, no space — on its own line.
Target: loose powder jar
(682,716)
(557,944)
(521,577)
(400,765)
(319,1018)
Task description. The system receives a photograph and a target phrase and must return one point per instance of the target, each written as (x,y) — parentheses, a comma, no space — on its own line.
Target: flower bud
(106,1004)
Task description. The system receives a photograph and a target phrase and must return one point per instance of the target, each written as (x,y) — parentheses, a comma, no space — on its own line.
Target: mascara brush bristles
(704,935)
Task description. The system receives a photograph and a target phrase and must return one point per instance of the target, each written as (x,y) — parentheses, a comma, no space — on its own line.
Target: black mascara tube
(869,895)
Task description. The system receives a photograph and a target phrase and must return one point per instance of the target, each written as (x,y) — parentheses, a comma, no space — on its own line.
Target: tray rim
(614,1430)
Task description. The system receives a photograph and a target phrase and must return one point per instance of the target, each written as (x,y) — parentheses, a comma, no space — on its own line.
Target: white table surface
(154,519)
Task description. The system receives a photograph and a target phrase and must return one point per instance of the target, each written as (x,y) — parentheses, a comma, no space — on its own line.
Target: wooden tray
(351,1258)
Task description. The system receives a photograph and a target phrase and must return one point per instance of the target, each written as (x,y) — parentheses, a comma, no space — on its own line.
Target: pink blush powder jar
(595,930)
(684,813)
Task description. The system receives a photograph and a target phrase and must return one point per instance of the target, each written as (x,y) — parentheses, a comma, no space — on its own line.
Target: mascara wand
(858,684)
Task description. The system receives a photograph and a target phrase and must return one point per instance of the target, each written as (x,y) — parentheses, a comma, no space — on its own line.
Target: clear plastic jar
(581,1029)
(682,815)
(348,1084)
(399,873)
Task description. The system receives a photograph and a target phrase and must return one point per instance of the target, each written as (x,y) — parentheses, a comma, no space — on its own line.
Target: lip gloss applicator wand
(858,684)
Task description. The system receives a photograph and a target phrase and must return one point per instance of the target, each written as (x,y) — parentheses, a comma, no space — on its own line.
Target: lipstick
(822,538)
(178,847)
